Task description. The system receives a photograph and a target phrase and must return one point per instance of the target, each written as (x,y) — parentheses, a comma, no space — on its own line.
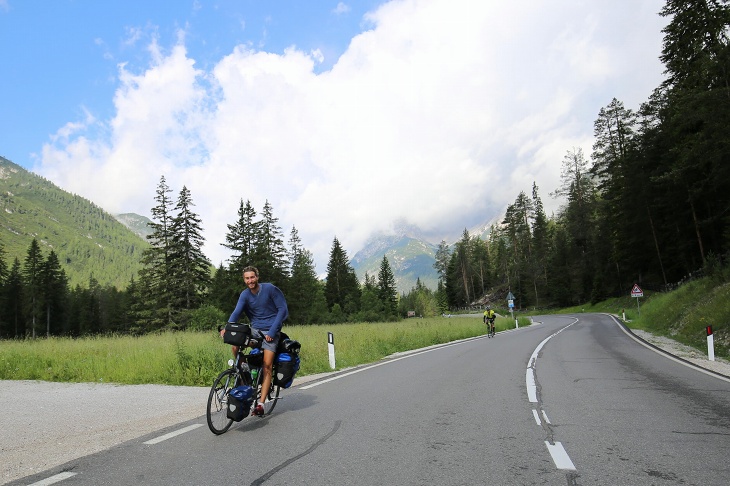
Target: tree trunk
(656,244)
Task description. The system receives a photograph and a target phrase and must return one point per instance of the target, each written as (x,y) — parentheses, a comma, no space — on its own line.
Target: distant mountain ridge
(409,255)
(89,241)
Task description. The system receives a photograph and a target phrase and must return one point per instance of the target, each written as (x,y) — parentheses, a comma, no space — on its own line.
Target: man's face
(251,280)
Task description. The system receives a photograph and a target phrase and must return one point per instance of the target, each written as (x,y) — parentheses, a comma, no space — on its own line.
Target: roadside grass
(682,314)
(685,313)
(194,358)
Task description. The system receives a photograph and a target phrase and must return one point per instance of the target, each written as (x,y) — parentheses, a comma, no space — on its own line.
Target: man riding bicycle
(489,317)
(266,308)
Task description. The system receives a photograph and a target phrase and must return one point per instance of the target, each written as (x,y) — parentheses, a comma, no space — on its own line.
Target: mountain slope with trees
(88,241)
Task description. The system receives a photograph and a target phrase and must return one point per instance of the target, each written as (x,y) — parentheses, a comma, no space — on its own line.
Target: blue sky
(349,117)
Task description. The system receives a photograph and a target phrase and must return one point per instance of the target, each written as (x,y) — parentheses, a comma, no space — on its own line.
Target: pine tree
(241,238)
(155,276)
(303,283)
(342,287)
(387,290)
(270,255)
(14,298)
(55,287)
(4,327)
(442,260)
(189,267)
(33,285)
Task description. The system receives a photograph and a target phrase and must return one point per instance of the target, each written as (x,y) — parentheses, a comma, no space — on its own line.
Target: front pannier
(239,402)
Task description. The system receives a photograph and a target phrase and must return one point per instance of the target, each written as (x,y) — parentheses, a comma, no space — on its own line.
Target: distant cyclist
(489,317)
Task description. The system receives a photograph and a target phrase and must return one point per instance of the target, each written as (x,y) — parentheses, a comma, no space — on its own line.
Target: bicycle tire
(217,409)
(273,397)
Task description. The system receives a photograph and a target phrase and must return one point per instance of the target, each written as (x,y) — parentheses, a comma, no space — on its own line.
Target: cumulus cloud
(438,116)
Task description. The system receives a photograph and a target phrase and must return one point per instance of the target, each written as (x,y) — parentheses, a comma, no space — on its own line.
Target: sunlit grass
(195,358)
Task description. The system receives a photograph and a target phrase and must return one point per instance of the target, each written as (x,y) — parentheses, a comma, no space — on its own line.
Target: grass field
(195,358)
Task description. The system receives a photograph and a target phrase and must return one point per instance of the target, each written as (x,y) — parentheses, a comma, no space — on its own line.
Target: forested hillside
(650,204)
(88,241)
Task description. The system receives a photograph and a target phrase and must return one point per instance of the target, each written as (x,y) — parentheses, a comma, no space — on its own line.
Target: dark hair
(251,269)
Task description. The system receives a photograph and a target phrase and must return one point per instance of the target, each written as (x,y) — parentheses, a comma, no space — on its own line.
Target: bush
(206,318)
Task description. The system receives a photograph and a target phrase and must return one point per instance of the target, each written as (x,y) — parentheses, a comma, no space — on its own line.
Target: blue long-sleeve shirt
(266,310)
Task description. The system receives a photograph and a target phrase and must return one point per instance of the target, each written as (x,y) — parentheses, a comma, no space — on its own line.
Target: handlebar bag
(236,334)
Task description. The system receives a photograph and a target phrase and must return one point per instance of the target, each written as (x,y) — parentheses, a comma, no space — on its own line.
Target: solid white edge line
(560,457)
(172,434)
(54,479)
(537,417)
(392,360)
(665,354)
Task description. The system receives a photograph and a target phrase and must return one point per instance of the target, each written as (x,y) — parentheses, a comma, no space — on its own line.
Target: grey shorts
(271,346)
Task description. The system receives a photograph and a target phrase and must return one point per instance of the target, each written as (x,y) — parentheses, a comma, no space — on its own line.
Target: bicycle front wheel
(217,410)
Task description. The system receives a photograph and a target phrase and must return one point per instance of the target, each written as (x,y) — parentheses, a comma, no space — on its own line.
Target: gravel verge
(47,424)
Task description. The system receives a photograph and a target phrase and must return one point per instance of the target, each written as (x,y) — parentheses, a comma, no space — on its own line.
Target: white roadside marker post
(331,349)
(710,344)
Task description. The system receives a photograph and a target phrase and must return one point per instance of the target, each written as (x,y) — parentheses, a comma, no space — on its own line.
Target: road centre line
(560,457)
(161,438)
(557,451)
(537,417)
(530,373)
(54,479)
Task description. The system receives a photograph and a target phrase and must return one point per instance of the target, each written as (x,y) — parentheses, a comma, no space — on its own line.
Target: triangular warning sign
(636,290)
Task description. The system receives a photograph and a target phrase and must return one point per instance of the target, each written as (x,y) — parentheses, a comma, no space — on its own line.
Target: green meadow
(195,358)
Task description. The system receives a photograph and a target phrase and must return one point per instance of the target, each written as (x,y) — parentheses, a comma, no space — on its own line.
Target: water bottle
(254,375)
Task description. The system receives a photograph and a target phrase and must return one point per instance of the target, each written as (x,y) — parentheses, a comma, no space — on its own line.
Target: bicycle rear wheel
(273,395)
(217,410)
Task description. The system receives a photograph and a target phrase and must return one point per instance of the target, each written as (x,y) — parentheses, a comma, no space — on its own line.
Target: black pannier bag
(287,345)
(239,403)
(287,366)
(236,334)
(255,358)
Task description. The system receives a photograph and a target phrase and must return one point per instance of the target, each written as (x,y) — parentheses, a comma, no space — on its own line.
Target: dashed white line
(560,457)
(172,434)
(537,417)
(556,450)
(54,479)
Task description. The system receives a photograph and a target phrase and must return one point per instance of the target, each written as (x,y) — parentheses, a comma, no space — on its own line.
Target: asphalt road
(571,400)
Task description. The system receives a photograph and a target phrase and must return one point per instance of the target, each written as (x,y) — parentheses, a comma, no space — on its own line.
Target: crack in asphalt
(284,464)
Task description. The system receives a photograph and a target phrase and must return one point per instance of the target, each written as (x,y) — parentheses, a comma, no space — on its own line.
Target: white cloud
(341,8)
(438,116)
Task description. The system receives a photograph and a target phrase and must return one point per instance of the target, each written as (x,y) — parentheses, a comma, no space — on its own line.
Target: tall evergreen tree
(442,260)
(190,268)
(241,238)
(270,255)
(33,285)
(4,327)
(387,290)
(303,283)
(55,287)
(155,276)
(342,287)
(14,298)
